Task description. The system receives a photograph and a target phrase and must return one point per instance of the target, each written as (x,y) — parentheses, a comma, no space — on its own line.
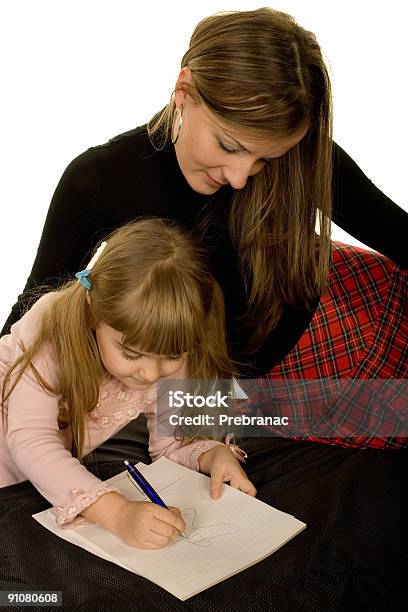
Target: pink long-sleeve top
(34,448)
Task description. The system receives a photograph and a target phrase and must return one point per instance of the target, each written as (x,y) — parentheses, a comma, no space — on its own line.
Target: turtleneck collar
(168,159)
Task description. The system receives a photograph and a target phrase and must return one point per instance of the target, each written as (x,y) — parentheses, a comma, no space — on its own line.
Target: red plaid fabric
(359,331)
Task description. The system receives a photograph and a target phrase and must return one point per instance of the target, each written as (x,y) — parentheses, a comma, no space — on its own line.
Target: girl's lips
(139,382)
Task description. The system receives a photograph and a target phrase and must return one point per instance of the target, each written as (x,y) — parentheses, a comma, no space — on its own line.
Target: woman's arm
(363,211)
(70,230)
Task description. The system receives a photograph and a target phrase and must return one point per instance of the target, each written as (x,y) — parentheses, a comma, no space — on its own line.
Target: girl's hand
(148,525)
(222,466)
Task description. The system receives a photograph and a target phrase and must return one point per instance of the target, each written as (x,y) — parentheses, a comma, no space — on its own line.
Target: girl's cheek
(180,368)
(114,365)
(124,367)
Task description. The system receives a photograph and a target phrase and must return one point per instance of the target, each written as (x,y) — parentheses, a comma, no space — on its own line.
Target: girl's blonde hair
(153,283)
(261,73)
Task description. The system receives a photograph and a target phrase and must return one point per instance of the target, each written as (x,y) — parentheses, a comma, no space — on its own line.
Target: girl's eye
(227,149)
(130,357)
(135,356)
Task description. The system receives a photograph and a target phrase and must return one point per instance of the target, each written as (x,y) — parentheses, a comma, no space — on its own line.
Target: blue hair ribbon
(81,276)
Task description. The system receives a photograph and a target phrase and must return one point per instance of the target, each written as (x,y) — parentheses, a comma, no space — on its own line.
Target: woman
(243,154)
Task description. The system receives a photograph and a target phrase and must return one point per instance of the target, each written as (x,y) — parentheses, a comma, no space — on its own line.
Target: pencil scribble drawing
(205,535)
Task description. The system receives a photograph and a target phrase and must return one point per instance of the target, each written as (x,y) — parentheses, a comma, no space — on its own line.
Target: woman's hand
(148,525)
(222,466)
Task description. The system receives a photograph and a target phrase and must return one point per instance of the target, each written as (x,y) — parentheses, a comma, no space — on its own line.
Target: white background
(75,73)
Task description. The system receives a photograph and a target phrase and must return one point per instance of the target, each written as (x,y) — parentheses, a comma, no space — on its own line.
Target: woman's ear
(185,76)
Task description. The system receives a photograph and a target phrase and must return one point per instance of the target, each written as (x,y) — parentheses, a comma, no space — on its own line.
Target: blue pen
(144,485)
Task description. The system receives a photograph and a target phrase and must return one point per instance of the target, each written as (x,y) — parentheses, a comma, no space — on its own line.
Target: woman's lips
(212,181)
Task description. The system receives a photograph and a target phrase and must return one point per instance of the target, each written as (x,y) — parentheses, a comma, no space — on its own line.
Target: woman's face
(211,154)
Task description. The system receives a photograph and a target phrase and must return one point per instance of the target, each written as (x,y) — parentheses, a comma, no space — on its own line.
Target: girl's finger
(250,490)
(216,484)
(244,485)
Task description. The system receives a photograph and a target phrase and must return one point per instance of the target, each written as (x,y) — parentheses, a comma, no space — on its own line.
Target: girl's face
(134,369)
(211,154)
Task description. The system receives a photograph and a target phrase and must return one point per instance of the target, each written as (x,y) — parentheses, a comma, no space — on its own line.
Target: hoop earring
(179,124)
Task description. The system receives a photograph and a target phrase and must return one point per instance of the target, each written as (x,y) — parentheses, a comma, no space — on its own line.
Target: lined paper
(223,536)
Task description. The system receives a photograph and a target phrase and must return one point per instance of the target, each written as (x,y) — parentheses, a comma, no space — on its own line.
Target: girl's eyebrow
(127,348)
(130,350)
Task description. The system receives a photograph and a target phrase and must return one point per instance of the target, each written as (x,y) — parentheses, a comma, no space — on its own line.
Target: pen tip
(126,462)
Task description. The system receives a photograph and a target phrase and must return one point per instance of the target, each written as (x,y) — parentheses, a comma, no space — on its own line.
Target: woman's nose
(238,171)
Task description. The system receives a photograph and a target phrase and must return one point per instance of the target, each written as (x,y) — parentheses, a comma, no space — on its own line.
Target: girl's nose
(150,373)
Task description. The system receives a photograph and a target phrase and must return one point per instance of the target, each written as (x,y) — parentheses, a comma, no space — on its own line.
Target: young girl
(84,360)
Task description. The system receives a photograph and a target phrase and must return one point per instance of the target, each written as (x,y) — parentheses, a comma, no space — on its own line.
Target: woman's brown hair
(153,283)
(263,74)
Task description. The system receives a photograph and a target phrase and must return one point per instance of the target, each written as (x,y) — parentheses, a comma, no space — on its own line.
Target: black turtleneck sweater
(124,179)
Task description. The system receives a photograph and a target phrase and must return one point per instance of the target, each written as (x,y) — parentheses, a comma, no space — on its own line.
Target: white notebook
(224,536)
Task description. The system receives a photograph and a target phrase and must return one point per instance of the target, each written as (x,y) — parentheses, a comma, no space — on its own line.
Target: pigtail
(65,330)
(79,362)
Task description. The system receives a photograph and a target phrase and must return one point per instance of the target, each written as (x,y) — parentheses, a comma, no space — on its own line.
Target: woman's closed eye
(227,149)
(231,151)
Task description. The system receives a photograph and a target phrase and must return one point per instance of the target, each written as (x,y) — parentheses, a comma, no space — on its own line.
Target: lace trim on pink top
(66,516)
(134,402)
(205,445)
(201,447)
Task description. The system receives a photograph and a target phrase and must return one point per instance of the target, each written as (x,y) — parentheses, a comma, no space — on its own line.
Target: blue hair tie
(81,276)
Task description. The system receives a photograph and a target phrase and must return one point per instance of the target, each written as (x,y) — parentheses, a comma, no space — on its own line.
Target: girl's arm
(161,444)
(170,447)
(34,441)
(35,446)
(208,456)
(362,210)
